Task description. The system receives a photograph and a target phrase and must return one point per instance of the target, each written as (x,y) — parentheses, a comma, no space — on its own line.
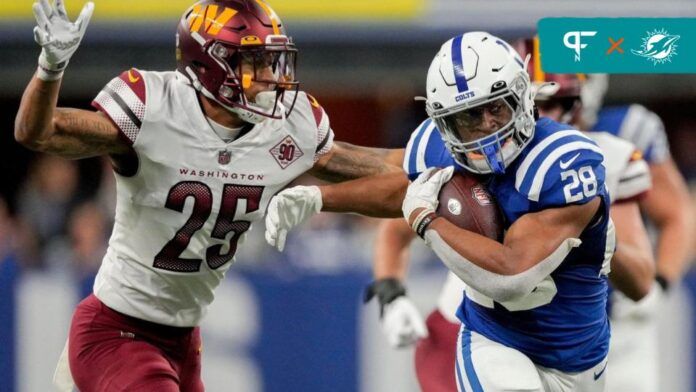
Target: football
(466,203)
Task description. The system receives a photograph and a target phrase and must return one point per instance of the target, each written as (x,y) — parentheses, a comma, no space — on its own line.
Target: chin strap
(265,102)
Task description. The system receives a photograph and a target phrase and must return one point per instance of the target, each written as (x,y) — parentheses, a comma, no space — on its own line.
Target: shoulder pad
(425,149)
(123,100)
(549,164)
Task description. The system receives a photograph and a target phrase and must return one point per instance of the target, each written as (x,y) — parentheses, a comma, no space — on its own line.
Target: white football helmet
(480,97)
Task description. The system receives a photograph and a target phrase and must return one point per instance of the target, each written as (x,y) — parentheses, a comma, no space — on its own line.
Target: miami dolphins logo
(658,46)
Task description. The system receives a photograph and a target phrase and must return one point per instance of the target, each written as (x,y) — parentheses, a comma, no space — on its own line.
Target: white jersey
(627,178)
(181,211)
(627,174)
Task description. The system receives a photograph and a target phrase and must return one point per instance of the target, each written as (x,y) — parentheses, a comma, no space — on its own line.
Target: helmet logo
(209,15)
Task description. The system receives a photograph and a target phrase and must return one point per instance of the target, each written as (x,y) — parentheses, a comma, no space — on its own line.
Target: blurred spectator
(330,243)
(6,234)
(82,250)
(45,200)
(399,113)
(106,194)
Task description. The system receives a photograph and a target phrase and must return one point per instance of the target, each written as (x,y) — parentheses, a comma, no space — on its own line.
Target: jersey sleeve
(325,134)
(647,131)
(634,180)
(565,169)
(123,100)
(639,126)
(425,149)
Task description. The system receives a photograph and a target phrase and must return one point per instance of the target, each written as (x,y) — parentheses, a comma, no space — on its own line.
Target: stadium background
(291,321)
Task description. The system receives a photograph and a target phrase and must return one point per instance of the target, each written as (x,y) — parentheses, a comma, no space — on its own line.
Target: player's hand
(288,209)
(57,36)
(401,322)
(423,192)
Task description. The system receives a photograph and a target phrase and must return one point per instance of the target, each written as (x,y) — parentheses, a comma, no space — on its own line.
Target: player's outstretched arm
(347,161)
(377,196)
(39,124)
(633,265)
(668,206)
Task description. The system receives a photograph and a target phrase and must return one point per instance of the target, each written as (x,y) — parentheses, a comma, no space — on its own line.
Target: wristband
(419,218)
(48,75)
(425,222)
(663,282)
(386,290)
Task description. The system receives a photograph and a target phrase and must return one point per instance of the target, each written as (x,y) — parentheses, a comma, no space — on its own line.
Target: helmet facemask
(486,135)
(271,64)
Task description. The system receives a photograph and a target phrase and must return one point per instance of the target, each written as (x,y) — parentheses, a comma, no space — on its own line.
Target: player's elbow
(27,136)
(639,291)
(23,136)
(510,292)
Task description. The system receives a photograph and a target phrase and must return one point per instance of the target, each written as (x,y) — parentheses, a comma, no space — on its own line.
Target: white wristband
(48,75)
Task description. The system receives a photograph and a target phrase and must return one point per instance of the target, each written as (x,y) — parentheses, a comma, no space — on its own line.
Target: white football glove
(402,323)
(423,192)
(57,36)
(289,208)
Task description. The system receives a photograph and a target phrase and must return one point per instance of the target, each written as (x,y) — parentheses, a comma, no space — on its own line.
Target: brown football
(466,202)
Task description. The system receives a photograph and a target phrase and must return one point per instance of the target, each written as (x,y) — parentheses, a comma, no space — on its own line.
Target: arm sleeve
(123,100)
(498,287)
(647,131)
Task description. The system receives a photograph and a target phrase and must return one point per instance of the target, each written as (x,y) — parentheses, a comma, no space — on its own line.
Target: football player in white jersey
(534,315)
(628,178)
(635,350)
(198,153)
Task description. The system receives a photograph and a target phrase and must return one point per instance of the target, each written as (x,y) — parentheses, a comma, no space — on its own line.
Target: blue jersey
(639,126)
(563,327)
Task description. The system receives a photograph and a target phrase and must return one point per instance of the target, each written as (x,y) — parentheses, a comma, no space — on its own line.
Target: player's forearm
(391,249)
(475,248)
(668,206)
(34,121)
(633,264)
(348,161)
(487,266)
(632,271)
(386,193)
(673,248)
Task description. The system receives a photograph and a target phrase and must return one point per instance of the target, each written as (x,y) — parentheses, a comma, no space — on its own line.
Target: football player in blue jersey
(557,96)
(533,317)
(635,350)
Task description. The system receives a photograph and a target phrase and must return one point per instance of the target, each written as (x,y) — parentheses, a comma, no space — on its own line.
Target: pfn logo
(573,40)
(209,15)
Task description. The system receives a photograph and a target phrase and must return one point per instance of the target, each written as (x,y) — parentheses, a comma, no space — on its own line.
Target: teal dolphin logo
(659,47)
